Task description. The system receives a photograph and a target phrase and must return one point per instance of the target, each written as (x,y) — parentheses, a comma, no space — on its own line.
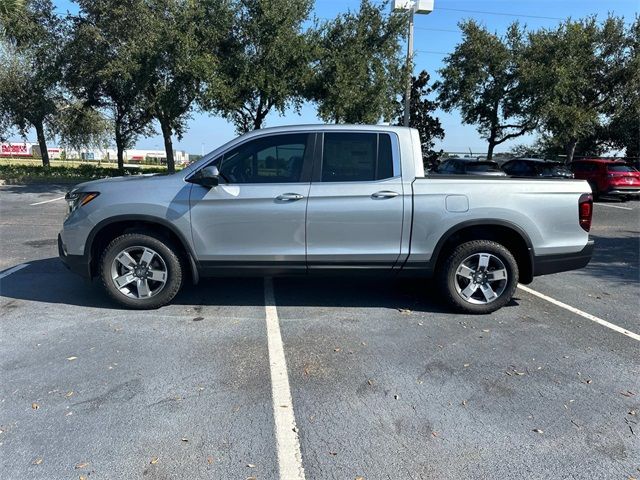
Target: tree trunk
(492,145)
(42,142)
(120,149)
(168,144)
(570,149)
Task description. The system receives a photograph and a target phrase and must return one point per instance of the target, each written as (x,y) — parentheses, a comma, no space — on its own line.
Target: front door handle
(385,194)
(290,197)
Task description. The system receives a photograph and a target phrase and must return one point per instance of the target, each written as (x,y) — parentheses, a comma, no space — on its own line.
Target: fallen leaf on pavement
(69,394)
(37,461)
(537,430)
(154,460)
(81,465)
(336,349)
(35,406)
(252,478)
(370,382)
(588,381)
(251,465)
(209,460)
(82,477)
(359,477)
(71,359)
(466,365)
(184,439)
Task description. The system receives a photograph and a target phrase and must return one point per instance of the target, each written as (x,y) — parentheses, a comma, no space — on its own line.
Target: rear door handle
(385,194)
(290,197)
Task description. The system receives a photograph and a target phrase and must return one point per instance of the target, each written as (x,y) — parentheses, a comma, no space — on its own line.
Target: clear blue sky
(436,35)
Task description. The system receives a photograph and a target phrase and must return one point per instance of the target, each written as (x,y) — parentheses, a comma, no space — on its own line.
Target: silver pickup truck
(324,199)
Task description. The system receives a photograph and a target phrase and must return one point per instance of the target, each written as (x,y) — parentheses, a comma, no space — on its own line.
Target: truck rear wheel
(141,271)
(479,276)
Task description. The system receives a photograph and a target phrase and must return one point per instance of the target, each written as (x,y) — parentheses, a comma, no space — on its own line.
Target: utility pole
(413,7)
(407,92)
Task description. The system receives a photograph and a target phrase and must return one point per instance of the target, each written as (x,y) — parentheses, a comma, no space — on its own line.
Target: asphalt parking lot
(385,381)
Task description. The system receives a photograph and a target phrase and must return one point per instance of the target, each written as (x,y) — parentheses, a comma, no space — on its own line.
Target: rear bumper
(76,263)
(546,264)
(623,191)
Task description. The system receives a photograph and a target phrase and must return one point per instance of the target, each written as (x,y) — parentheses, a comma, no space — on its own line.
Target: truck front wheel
(479,276)
(141,271)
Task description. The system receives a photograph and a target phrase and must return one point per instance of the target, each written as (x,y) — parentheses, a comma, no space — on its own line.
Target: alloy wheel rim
(481,278)
(139,272)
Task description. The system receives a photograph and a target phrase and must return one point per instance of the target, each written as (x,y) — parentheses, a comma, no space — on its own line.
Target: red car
(608,177)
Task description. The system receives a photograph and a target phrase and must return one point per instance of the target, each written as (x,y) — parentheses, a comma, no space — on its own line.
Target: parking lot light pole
(413,7)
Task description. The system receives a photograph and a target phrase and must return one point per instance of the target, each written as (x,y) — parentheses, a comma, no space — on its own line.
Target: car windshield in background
(620,168)
(482,167)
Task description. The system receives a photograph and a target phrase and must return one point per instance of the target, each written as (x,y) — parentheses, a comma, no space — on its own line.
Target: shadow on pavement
(48,281)
(616,259)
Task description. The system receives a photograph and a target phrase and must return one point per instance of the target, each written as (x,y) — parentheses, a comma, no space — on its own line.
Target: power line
(499,13)
(437,29)
(432,51)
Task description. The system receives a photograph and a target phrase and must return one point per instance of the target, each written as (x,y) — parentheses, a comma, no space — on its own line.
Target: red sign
(17,150)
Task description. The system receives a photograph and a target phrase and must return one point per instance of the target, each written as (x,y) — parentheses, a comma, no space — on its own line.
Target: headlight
(77,199)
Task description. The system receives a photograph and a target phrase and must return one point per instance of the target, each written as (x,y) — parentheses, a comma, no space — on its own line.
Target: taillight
(585,211)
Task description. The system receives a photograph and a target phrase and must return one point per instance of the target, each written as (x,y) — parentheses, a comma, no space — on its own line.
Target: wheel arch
(514,238)
(110,228)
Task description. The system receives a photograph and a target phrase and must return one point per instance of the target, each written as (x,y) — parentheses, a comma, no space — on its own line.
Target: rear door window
(356,157)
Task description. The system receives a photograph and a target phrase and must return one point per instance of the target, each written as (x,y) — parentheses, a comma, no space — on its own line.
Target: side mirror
(207,177)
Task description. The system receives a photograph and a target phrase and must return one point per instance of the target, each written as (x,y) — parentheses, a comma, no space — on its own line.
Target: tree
(10,7)
(266,66)
(578,69)
(82,128)
(107,65)
(421,115)
(623,128)
(482,79)
(358,73)
(186,41)
(30,92)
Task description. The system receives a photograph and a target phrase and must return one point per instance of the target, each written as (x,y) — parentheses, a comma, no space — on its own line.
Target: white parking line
(612,206)
(46,201)
(8,272)
(288,443)
(586,315)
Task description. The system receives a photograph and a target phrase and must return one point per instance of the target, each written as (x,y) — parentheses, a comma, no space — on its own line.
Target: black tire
(170,265)
(452,283)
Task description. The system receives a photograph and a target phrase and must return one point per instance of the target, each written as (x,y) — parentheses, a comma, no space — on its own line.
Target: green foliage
(80,127)
(85,172)
(186,40)
(265,64)
(578,69)
(421,110)
(30,90)
(482,78)
(107,66)
(359,69)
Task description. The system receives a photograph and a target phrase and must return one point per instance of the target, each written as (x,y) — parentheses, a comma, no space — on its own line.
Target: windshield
(620,168)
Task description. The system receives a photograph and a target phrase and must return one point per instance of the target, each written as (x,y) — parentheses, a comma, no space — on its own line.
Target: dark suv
(608,177)
(536,167)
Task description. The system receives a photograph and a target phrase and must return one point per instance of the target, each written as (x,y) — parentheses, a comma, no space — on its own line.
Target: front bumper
(76,263)
(546,264)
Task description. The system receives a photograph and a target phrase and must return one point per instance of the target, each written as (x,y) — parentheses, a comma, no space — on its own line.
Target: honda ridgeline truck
(324,199)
